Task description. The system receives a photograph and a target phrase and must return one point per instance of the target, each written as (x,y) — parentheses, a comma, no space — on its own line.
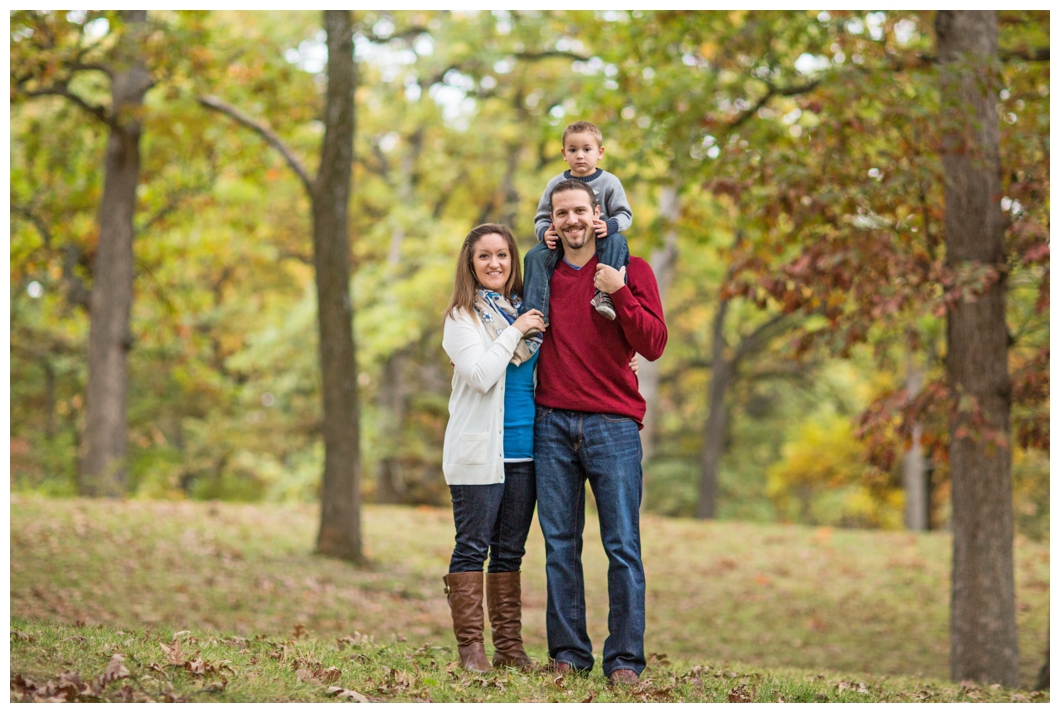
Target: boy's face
(581,152)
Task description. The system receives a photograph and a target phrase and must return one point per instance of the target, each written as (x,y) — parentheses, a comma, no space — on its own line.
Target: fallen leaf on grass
(340,692)
(858,687)
(318,675)
(657,660)
(80,639)
(215,686)
(115,670)
(359,638)
(739,694)
(174,653)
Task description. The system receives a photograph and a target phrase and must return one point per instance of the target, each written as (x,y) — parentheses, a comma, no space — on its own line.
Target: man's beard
(577,242)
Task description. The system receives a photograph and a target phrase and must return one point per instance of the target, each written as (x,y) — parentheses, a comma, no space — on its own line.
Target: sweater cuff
(623,298)
(612,226)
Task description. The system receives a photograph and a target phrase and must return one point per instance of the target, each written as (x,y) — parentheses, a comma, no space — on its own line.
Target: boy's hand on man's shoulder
(551,236)
(600,227)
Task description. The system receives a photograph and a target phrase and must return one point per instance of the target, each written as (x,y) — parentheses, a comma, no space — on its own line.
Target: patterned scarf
(497,313)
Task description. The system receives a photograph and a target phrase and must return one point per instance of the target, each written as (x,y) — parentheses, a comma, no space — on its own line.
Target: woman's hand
(532,319)
(634,363)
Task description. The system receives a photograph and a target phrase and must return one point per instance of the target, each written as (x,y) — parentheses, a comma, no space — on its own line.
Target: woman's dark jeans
(494,520)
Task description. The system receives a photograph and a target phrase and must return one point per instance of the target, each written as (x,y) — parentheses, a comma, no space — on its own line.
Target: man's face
(573,216)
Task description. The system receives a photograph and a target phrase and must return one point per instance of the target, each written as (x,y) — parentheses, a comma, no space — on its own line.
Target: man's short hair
(583,127)
(572,184)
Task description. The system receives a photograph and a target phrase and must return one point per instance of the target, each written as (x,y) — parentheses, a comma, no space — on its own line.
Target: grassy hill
(221,601)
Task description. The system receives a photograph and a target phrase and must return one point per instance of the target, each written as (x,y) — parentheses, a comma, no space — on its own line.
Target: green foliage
(812,135)
(822,479)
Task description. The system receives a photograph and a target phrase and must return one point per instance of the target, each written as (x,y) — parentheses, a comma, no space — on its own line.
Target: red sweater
(584,362)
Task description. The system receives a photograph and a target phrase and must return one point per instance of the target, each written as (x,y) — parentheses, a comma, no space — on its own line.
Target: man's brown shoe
(623,677)
(560,667)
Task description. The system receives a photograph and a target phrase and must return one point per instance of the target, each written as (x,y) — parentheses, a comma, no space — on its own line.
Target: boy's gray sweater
(614,208)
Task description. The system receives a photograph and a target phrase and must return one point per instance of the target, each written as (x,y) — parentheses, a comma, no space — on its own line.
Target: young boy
(582,149)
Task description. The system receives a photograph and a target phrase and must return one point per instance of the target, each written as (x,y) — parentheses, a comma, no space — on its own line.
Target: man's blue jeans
(571,447)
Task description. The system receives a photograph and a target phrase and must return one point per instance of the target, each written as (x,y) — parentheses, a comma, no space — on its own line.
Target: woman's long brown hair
(465,283)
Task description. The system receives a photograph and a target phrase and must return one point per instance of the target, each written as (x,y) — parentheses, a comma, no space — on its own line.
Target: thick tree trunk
(983,616)
(914,472)
(662,264)
(102,468)
(340,519)
(721,374)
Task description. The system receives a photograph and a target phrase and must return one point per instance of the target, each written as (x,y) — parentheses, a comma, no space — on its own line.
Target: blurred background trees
(786,174)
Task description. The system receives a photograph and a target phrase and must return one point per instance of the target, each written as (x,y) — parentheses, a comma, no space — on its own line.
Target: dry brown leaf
(341,692)
(115,669)
(174,652)
(739,694)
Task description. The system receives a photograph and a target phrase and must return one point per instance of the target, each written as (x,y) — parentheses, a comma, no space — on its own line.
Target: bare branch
(771,92)
(92,67)
(63,91)
(758,339)
(216,104)
(38,222)
(406,34)
(1036,54)
(549,54)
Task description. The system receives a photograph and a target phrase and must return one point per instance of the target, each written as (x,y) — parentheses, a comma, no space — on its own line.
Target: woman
(487,458)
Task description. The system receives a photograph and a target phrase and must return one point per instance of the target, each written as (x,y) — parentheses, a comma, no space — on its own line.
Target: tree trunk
(340,520)
(390,482)
(914,480)
(102,471)
(983,616)
(1043,673)
(393,394)
(662,264)
(721,373)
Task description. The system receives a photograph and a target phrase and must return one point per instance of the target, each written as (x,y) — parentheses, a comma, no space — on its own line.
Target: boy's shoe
(602,303)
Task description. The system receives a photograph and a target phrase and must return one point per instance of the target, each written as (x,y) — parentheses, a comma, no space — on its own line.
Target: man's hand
(600,228)
(551,236)
(608,279)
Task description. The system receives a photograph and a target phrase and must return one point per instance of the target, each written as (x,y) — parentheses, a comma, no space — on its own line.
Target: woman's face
(492,261)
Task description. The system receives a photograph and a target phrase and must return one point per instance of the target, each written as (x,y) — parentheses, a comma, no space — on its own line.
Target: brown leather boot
(465,604)
(504,601)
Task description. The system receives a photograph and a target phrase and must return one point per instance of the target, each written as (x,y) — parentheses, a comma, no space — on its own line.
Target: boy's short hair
(583,127)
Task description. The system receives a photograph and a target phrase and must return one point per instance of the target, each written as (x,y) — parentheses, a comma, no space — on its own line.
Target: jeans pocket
(474,449)
(615,418)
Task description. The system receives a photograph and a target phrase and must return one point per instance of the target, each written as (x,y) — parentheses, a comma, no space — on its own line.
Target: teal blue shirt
(519,410)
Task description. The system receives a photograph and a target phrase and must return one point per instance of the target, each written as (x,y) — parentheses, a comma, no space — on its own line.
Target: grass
(762,612)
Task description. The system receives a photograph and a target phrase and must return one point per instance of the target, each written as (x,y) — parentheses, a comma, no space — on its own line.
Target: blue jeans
(493,520)
(571,447)
(540,263)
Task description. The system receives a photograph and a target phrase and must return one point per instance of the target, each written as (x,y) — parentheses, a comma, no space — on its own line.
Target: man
(589,413)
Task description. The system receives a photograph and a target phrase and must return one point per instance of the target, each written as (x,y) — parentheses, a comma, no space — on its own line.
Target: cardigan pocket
(474,449)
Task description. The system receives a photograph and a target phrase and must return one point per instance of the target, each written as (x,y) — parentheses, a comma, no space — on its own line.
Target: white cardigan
(473,453)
